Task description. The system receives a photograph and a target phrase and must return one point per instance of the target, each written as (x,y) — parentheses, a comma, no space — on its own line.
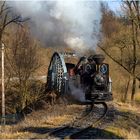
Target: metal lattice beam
(57,74)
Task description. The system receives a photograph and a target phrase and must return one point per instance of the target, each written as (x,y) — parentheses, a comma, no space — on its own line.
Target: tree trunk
(133,89)
(126,91)
(134,36)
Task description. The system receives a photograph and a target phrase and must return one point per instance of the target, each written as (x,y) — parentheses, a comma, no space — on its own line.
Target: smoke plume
(62,22)
(76,92)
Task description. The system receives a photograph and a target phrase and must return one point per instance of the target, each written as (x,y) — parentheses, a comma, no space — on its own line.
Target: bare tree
(6,18)
(133,13)
(126,40)
(23,62)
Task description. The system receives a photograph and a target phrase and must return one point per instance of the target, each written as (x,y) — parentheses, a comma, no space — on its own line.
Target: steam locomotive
(93,77)
(90,75)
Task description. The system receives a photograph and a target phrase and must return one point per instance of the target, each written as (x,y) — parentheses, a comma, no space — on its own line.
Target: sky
(114,4)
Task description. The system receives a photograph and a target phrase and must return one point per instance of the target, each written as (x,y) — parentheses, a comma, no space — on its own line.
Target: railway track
(89,119)
(62,82)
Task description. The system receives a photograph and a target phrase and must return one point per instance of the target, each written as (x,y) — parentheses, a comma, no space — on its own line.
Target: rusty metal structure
(57,78)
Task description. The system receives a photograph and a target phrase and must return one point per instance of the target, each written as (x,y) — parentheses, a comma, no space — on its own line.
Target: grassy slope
(37,122)
(126,124)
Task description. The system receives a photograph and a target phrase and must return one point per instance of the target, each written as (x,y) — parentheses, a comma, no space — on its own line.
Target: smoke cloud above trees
(62,23)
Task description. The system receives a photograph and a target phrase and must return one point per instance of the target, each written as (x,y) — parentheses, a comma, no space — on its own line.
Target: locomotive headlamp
(99,79)
(103,68)
(88,68)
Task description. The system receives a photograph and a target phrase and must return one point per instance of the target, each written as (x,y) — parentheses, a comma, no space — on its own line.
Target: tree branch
(120,64)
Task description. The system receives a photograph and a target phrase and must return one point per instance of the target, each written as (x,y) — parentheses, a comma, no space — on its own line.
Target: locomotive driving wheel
(57,75)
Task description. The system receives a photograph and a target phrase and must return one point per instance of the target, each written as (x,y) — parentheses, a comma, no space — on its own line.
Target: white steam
(62,22)
(76,43)
(76,92)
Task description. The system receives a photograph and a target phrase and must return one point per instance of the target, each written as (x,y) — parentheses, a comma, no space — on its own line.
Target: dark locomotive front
(93,76)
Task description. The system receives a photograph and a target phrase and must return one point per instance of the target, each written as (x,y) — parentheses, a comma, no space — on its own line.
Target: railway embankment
(121,121)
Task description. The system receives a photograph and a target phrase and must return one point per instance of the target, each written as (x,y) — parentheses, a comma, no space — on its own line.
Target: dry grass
(124,133)
(14,135)
(125,128)
(125,107)
(51,118)
(127,121)
(126,124)
(58,121)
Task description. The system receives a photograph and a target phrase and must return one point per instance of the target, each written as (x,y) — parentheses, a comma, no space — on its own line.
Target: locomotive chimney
(98,58)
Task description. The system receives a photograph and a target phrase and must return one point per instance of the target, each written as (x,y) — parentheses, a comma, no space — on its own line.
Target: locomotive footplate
(99,96)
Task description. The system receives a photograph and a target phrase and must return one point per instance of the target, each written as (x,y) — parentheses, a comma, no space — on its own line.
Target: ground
(125,124)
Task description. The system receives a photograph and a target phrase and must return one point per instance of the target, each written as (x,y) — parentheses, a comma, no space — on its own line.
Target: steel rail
(79,132)
(68,126)
(75,135)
